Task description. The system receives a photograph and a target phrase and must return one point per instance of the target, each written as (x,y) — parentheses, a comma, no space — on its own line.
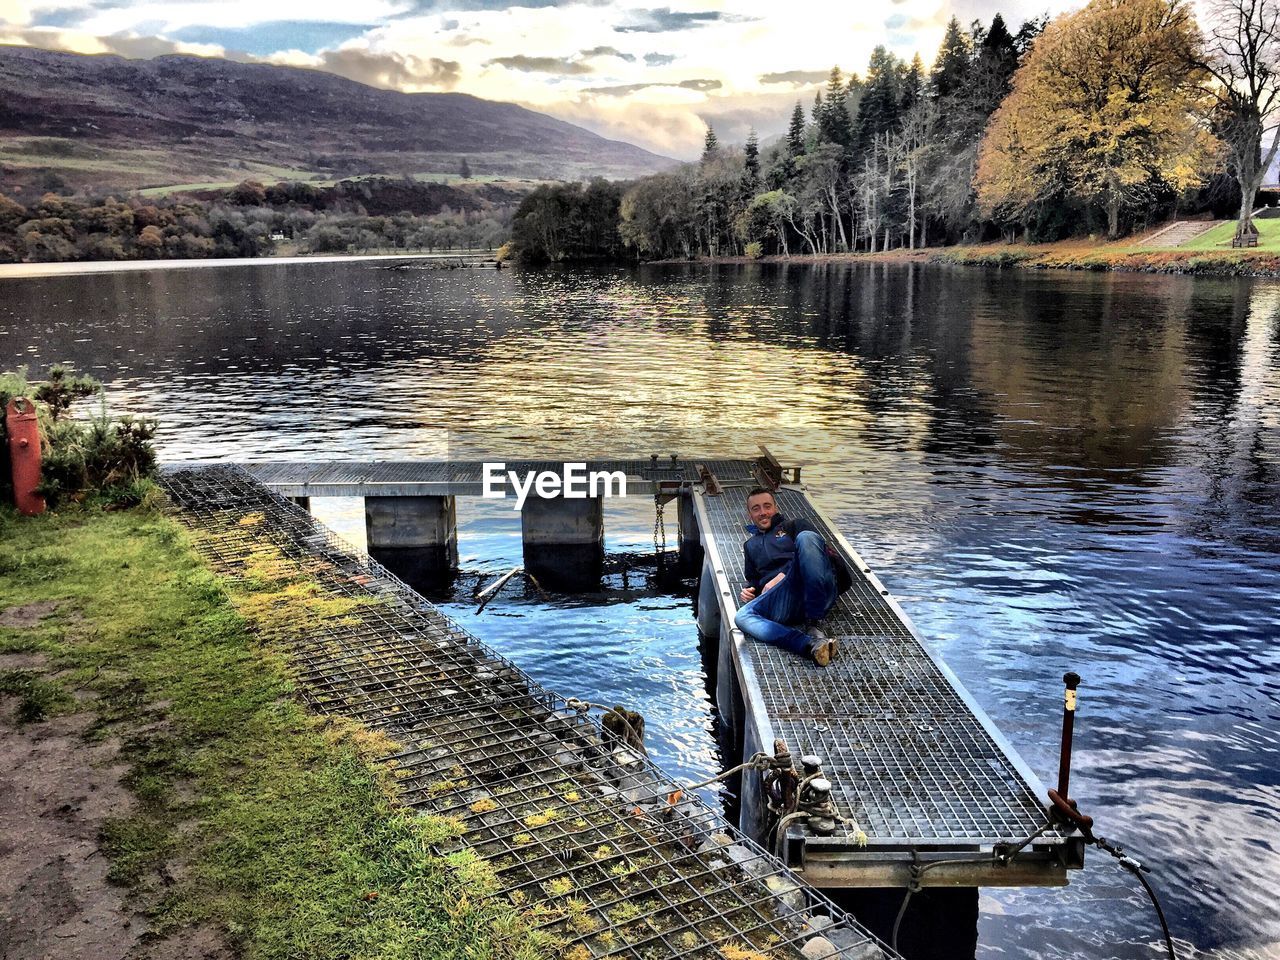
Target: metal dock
(938,797)
(581,831)
(912,758)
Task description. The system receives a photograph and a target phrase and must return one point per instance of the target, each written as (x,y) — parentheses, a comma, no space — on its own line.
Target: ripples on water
(1051,471)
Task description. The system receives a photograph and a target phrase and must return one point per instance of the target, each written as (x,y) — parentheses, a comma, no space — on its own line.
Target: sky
(654,76)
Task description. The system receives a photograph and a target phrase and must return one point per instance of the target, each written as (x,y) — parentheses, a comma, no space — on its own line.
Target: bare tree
(918,148)
(1242,53)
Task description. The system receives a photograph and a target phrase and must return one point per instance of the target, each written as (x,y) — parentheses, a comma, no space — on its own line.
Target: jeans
(807,592)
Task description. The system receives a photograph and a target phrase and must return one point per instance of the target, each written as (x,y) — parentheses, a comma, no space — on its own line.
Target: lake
(1051,471)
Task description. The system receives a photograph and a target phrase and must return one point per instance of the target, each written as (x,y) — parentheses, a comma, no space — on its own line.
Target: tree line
(1103,121)
(251,219)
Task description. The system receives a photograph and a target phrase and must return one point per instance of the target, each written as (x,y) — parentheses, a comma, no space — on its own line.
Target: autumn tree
(1242,54)
(249,193)
(1102,111)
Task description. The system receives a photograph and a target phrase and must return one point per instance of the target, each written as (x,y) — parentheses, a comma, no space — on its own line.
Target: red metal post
(24,455)
(1071,681)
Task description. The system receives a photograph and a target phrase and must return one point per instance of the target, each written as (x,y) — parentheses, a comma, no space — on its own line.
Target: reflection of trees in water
(1084,381)
(1085,373)
(262,317)
(1235,480)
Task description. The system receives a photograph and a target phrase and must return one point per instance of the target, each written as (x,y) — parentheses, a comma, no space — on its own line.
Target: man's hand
(747,595)
(774,582)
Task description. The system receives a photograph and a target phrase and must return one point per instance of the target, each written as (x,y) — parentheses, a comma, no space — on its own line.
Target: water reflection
(1051,470)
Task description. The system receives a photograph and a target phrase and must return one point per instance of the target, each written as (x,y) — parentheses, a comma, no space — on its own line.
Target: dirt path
(58,790)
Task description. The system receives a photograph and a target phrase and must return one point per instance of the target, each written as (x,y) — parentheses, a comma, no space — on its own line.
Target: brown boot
(822,649)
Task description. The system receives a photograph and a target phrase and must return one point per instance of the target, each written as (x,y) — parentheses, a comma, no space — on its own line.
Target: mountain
(106,122)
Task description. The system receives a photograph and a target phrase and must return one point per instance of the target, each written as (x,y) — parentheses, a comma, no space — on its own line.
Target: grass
(1219,238)
(37,698)
(282,826)
(1124,256)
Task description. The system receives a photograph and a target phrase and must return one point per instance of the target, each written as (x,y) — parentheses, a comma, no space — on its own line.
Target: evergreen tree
(1028,32)
(878,109)
(834,124)
(995,61)
(464,169)
(710,145)
(951,68)
(751,161)
(795,132)
(912,86)
(817,107)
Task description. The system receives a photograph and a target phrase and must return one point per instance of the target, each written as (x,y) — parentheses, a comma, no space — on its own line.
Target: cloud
(124,45)
(666,131)
(15,13)
(797,78)
(572,68)
(626,89)
(659,59)
(605,51)
(620,90)
(392,71)
(665,20)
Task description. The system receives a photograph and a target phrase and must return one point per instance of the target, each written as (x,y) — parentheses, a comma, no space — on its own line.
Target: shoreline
(1064,255)
(1068,255)
(67,268)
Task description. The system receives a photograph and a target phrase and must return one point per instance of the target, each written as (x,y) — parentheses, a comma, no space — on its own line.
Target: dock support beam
(416,537)
(940,923)
(564,541)
(303,502)
(690,538)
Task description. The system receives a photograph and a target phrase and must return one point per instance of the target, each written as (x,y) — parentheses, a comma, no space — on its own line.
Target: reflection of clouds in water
(1053,470)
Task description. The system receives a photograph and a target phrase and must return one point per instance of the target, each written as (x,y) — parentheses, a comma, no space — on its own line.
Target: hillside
(110,123)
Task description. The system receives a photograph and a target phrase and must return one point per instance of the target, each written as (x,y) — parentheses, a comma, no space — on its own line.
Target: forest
(253,220)
(1099,123)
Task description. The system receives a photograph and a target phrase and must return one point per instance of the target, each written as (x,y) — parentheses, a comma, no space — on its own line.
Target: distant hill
(106,122)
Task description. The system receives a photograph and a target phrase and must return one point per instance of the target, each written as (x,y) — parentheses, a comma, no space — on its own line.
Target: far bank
(1125,257)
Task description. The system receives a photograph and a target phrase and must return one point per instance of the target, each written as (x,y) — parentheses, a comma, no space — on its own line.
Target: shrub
(99,457)
(754,250)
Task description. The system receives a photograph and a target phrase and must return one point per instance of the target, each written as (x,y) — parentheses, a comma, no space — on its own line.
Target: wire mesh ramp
(581,831)
(911,757)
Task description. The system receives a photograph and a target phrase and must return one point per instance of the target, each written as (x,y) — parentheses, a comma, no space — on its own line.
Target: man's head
(761,508)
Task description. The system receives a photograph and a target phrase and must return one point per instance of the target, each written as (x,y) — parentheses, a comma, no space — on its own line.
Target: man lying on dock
(793,581)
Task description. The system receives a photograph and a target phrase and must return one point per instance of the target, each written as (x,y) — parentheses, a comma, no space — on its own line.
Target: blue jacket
(768,552)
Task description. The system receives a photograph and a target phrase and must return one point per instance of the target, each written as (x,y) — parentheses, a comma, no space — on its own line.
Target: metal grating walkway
(910,755)
(294,478)
(577,828)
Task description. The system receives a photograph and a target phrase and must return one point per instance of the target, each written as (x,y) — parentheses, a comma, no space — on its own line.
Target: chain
(659,529)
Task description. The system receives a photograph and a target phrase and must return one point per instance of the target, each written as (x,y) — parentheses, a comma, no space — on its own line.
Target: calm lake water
(1051,471)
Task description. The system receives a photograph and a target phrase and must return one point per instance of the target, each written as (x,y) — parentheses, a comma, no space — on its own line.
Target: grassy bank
(1078,255)
(252,817)
(1204,256)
